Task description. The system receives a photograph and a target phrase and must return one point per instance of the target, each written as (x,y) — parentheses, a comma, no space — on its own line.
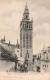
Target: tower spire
(26,13)
(26,5)
(26,2)
(26,8)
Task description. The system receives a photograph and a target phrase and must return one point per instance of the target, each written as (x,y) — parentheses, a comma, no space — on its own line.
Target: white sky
(11,12)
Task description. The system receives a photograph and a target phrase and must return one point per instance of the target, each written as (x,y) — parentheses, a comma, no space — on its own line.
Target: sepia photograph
(25,38)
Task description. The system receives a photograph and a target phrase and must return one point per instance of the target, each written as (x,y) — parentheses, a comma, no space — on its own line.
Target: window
(27,55)
(23,43)
(30,43)
(26,36)
(27,50)
(26,16)
(27,42)
(27,25)
(47,57)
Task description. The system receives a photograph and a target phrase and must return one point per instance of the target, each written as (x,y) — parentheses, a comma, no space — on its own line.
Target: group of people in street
(21,67)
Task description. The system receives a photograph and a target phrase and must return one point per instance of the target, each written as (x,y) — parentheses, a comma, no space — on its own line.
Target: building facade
(26,30)
(9,47)
(43,60)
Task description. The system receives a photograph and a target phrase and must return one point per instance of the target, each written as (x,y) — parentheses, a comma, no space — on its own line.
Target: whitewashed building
(43,61)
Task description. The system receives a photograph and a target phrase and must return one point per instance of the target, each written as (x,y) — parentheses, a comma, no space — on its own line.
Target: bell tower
(26,31)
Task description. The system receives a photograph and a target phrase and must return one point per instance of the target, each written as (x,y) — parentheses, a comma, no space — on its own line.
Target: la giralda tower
(26,31)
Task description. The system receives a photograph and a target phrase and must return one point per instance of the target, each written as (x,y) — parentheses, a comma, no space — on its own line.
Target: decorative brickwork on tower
(26,30)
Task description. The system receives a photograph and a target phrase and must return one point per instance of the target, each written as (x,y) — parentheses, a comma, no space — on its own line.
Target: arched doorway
(38,69)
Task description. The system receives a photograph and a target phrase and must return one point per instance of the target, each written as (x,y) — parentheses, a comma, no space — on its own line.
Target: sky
(11,13)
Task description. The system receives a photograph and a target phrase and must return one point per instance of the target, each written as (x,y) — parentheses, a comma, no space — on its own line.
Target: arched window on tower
(27,36)
(24,40)
(30,41)
(26,16)
(23,43)
(27,25)
(27,55)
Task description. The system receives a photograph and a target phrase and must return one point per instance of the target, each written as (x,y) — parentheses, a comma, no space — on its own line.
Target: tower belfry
(26,29)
